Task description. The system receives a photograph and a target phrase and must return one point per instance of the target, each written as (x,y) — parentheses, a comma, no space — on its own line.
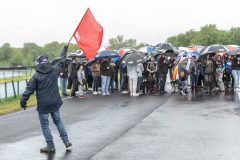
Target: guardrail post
(14,91)
(5,84)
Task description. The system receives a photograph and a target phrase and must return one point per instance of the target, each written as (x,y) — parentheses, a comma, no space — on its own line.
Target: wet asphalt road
(170,127)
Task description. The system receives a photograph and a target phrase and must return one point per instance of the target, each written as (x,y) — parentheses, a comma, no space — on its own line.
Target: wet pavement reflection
(197,126)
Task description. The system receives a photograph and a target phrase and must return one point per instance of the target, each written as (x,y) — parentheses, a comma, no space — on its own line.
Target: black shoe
(68,144)
(47,150)
(65,94)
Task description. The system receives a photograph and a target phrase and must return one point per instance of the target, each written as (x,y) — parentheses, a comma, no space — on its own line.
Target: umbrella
(210,53)
(189,54)
(170,53)
(77,54)
(186,63)
(106,53)
(214,48)
(122,51)
(164,46)
(234,52)
(55,61)
(135,57)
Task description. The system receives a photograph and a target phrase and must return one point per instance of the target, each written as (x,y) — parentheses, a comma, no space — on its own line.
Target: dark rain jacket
(45,83)
(163,66)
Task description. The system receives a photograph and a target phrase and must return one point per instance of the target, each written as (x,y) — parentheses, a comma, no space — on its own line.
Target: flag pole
(70,40)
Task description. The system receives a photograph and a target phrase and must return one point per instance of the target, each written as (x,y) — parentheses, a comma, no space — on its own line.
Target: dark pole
(14,91)
(5,84)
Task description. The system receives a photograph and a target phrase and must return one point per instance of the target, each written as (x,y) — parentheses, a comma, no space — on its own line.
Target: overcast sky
(149,21)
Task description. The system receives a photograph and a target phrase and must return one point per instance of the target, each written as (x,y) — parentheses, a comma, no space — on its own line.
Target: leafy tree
(120,42)
(31,51)
(5,51)
(208,34)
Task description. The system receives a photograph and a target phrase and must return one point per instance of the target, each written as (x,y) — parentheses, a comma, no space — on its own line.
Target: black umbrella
(214,48)
(234,52)
(165,46)
(58,60)
(210,53)
(77,54)
(135,57)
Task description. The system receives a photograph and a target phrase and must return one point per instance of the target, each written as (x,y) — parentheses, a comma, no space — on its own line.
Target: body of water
(10,92)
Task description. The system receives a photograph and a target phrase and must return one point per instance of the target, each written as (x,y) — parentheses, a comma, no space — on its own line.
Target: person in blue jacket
(45,83)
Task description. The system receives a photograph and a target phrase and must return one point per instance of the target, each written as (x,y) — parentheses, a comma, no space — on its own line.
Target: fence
(12,89)
(11,72)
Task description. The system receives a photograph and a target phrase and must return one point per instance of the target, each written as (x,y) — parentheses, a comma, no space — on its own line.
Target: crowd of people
(213,72)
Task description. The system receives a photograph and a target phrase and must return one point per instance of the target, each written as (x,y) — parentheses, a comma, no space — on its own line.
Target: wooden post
(12,74)
(5,84)
(14,91)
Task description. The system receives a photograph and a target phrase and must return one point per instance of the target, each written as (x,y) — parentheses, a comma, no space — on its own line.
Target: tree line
(207,35)
(27,55)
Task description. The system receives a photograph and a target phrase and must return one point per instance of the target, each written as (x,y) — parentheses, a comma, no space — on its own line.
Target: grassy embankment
(11,104)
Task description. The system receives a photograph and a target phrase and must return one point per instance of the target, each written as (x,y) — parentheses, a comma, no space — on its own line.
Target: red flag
(89,35)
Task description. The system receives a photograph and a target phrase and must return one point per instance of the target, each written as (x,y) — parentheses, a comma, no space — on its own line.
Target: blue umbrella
(106,53)
(189,54)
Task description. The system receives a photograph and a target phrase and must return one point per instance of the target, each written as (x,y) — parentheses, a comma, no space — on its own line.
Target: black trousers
(163,78)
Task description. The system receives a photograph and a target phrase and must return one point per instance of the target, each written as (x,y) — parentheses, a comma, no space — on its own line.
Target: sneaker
(68,144)
(47,150)
(135,95)
(99,92)
(108,94)
(103,94)
(124,92)
(183,93)
(95,93)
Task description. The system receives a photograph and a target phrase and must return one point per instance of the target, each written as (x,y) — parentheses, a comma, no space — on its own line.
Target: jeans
(139,83)
(46,131)
(194,81)
(96,81)
(105,84)
(236,77)
(63,84)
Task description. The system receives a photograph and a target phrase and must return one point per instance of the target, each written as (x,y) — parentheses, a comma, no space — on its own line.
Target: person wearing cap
(45,83)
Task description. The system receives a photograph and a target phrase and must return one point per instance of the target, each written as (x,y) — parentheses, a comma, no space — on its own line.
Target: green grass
(12,104)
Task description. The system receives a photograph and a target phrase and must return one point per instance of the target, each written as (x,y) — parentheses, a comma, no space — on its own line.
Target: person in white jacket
(132,73)
(81,79)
